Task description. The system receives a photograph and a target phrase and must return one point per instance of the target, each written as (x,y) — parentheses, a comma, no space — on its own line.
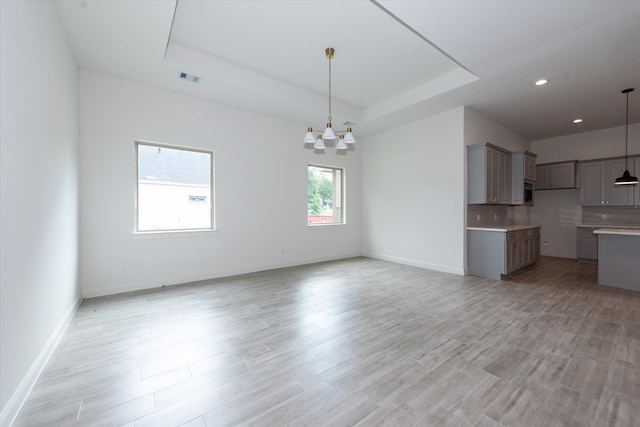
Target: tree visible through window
(325,195)
(174,188)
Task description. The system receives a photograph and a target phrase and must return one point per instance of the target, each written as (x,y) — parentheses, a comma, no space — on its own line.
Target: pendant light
(344,137)
(626,178)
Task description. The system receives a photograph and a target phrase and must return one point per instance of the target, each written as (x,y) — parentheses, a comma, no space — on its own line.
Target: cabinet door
(587,244)
(512,252)
(542,177)
(535,239)
(529,168)
(562,175)
(493,175)
(592,176)
(618,195)
(504,183)
(637,187)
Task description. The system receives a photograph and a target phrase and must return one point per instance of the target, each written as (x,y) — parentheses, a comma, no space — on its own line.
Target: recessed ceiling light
(542,82)
(577,120)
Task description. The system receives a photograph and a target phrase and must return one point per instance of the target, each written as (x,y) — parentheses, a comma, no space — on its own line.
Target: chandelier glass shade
(344,137)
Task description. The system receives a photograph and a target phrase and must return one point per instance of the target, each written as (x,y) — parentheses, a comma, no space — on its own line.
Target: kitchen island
(496,251)
(619,257)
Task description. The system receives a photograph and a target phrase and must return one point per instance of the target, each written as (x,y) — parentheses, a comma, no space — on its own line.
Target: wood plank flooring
(354,342)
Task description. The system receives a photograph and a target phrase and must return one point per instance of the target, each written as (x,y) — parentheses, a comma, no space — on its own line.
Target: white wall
(38,204)
(260,190)
(559,211)
(413,193)
(479,129)
(587,145)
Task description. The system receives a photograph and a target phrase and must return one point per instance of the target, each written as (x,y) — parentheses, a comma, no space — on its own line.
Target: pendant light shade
(348,138)
(309,138)
(319,144)
(345,137)
(626,178)
(328,132)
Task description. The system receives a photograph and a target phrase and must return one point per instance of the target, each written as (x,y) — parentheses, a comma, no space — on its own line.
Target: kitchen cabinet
(618,255)
(597,183)
(554,176)
(587,245)
(493,253)
(524,165)
(488,174)
(637,187)
(523,168)
(523,249)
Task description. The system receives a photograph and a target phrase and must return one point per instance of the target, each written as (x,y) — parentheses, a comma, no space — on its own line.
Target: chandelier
(344,137)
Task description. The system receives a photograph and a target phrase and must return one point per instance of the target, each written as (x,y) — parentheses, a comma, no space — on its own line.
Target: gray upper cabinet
(597,183)
(554,176)
(523,168)
(529,166)
(488,174)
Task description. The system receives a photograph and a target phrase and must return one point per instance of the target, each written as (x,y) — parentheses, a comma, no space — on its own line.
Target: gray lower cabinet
(492,253)
(596,183)
(587,245)
(637,187)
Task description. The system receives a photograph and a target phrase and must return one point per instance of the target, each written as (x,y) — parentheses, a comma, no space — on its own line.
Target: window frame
(342,198)
(136,227)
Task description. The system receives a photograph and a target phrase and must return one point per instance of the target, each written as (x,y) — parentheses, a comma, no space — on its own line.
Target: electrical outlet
(545,243)
(604,216)
(478,217)
(495,217)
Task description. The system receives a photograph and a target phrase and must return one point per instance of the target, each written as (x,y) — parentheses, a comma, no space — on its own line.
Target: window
(174,188)
(325,190)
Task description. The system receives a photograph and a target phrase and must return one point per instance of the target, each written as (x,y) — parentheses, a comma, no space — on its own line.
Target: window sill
(330,225)
(165,234)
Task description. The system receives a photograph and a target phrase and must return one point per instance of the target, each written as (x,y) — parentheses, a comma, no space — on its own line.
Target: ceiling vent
(190,77)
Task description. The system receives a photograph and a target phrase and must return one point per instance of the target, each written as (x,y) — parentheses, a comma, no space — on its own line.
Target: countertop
(502,228)
(637,227)
(618,231)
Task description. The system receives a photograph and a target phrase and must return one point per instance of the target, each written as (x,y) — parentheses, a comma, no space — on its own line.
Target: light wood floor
(355,342)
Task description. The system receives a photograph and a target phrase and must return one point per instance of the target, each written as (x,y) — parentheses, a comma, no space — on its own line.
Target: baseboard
(13,406)
(416,263)
(142,286)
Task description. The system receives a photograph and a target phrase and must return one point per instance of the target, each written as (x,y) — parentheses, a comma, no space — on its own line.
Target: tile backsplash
(497,214)
(516,215)
(610,216)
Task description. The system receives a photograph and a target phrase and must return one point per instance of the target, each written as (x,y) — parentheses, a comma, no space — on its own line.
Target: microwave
(528,193)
